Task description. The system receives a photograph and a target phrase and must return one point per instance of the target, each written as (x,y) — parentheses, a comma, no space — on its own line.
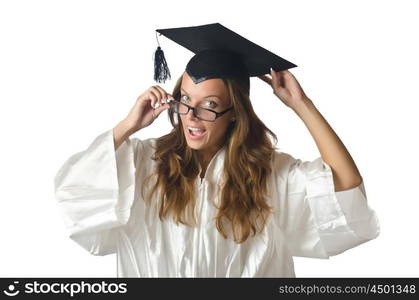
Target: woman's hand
(145,111)
(286,87)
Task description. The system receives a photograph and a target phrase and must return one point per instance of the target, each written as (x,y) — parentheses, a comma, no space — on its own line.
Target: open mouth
(196,132)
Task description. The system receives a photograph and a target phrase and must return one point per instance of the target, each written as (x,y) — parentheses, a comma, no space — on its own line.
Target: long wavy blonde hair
(246,169)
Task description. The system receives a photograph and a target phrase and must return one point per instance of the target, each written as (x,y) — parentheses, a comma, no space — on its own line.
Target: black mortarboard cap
(219,53)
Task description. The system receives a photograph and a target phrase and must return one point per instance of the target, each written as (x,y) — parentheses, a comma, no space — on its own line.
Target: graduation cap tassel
(161,69)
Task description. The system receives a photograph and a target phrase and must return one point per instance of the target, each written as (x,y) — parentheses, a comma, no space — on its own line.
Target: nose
(190,116)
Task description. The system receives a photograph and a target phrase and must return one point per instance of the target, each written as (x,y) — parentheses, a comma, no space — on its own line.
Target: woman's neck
(205,157)
(204,160)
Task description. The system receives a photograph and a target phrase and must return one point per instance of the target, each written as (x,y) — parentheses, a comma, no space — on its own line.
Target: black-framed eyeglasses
(200,113)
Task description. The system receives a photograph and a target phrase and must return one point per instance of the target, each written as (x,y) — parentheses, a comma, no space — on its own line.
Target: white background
(70,70)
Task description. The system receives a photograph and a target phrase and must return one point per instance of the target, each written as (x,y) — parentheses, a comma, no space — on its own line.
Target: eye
(209,103)
(184,97)
(212,104)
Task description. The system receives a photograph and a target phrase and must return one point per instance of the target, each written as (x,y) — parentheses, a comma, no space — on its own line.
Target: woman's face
(211,94)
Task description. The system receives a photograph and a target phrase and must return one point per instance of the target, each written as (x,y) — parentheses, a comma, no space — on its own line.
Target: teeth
(195,129)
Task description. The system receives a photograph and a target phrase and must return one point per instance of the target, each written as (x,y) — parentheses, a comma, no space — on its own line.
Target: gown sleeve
(95,191)
(317,221)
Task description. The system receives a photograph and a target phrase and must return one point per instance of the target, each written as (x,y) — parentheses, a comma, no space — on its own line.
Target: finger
(266,79)
(159,94)
(161,108)
(153,99)
(169,96)
(275,79)
(285,76)
(162,92)
(287,72)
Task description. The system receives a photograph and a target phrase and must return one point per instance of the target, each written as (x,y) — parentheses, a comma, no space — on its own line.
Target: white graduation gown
(98,194)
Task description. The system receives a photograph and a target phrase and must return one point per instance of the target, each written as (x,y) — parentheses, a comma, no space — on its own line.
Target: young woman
(213,198)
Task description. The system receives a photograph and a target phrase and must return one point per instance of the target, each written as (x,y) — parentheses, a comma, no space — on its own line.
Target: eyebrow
(205,96)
